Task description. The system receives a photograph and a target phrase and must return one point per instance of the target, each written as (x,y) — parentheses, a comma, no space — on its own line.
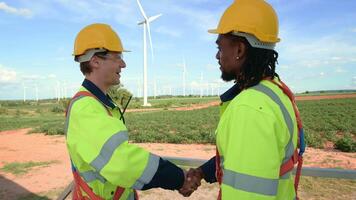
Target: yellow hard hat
(97,36)
(255,17)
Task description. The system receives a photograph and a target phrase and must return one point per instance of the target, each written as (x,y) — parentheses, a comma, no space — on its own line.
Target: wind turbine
(155,89)
(184,74)
(58,91)
(146,27)
(36,87)
(24,92)
(201,85)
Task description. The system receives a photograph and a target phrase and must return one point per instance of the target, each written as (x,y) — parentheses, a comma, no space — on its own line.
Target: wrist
(200,172)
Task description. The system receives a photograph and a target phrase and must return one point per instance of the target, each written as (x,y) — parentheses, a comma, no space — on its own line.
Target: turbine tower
(24,92)
(184,74)
(36,87)
(201,85)
(146,28)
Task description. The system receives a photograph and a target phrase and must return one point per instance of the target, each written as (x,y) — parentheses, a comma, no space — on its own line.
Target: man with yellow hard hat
(104,164)
(260,129)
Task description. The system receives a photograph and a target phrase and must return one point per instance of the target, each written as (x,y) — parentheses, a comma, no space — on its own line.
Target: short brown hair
(85,67)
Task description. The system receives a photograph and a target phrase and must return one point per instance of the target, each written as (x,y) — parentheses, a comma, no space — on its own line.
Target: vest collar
(105,99)
(230,93)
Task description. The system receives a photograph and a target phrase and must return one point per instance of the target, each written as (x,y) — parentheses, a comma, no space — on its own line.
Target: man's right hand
(192,181)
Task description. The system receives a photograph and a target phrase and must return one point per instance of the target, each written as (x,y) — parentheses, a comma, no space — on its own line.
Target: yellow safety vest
(257,132)
(99,149)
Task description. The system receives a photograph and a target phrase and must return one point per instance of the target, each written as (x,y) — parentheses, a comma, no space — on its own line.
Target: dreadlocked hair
(259,64)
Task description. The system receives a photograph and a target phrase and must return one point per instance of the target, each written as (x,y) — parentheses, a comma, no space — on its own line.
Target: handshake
(192,181)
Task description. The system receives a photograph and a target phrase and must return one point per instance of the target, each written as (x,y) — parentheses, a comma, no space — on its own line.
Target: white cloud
(313,53)
(211,67)
(52,76)
(340,70)
(284,67)
(322,74)
(31,77)
(354,81)
(199,19)
(7,75)
(336,58)
(168,31)
(16,11)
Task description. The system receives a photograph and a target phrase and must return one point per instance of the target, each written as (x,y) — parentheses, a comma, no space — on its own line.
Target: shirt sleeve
(209,169)
(168,176)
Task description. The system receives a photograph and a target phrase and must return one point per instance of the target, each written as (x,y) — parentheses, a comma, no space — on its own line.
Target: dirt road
(49,180)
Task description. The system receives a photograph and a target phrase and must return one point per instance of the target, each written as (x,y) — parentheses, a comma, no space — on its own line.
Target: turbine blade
(149,38)
(141,9)
(151,19)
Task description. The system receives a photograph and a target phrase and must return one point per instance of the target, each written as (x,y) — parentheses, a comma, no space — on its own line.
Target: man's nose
(122,64)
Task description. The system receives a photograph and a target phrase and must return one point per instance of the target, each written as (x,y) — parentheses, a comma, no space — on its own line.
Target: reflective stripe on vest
(250,183)
(90,176)
(148,173)
(289,149)
(104,156)
(108,149)
(68,111)
(132,196)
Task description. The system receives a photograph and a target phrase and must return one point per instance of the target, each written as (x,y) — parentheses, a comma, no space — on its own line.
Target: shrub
(346,144)
(58,109)
(3,111)
(52,128)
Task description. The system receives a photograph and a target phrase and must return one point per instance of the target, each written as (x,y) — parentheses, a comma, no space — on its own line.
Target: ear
(94,62)
(241,49)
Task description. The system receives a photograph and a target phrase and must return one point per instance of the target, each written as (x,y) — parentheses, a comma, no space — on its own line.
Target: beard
(227,76)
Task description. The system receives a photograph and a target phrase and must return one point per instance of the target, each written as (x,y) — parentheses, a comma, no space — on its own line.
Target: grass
(18,168)
(310,188)
(171,102)
(195,126)
(326,188)
(328,120)
(324,120)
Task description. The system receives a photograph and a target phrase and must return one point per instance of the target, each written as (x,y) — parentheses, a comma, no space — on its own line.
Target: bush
(51,128)
(3,111)
(58,109)
(346,144)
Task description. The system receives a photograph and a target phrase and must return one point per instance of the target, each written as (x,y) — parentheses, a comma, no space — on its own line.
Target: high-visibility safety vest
(105,165)
(257,139)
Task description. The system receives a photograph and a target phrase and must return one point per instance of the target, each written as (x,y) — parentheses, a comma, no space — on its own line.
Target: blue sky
(317,49)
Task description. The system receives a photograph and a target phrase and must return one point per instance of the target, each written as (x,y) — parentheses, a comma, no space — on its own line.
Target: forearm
(208,170)
(168,176)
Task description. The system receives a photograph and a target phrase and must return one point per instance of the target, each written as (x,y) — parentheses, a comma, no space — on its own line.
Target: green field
(324,120)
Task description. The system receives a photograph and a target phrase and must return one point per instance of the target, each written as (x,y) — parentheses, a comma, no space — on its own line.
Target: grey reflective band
(250,183)
(132,196)
(289,150)
(90,176)
(285,176)
(108,149)
(88,55)
(68,113)
(148,173)
(254,41)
